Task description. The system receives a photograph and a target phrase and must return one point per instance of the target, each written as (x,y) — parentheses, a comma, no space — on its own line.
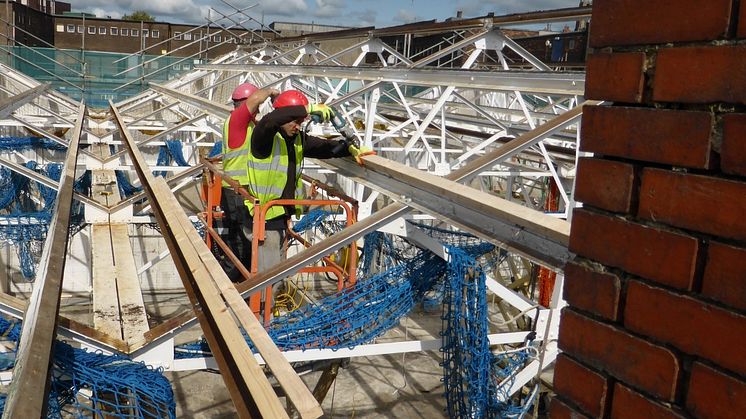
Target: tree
(140,16)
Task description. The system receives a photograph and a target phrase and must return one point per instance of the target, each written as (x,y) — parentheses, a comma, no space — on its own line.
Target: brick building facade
(657,294)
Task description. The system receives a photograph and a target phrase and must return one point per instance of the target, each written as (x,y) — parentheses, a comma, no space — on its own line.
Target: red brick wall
(656,323)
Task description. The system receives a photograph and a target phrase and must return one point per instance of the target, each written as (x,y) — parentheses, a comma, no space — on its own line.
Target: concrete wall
(657,294)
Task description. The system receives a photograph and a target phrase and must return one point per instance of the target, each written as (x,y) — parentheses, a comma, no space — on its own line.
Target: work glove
(359,152)
(319,112)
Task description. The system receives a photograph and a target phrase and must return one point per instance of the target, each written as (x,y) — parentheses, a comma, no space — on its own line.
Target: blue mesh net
(394,277)
(24,221)
(89,384)
(172,152)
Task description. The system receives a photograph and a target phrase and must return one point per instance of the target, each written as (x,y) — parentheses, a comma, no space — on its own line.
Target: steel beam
(10,104)
(560,83)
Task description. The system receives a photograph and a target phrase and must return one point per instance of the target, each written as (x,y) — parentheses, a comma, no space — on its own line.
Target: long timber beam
(29,390)
(217,306)
(377,220)
(526,81)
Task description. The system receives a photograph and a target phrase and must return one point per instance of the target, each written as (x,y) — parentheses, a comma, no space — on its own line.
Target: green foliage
(140,16)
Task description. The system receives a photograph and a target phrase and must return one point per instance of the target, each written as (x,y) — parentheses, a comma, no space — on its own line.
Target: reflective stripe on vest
(235,160)
(268,177)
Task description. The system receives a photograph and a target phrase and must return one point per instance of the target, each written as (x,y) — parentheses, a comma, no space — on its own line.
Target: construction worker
(236,134)
(278,147)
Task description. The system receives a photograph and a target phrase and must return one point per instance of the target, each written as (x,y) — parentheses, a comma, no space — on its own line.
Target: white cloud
(294,8)
(365,17)
(329,8)
(405,16)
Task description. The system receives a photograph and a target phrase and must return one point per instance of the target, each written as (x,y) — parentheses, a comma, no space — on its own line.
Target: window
(114,31)
(135,32)
(125,32)
(216,38)
(145,33)
(101,30)
(80,28)
(155,34)
(177,36)
(71,28)
(91,30)
(60,28)
(187,36)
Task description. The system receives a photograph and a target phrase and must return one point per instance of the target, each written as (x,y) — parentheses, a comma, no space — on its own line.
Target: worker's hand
(319,112)
(359,152)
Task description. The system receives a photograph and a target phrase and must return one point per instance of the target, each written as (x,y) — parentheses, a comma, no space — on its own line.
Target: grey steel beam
(161,134)
(29,388)
(561,83)
(206,105)
(9,104)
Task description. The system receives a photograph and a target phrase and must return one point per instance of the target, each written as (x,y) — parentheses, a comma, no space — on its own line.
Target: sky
(378,13)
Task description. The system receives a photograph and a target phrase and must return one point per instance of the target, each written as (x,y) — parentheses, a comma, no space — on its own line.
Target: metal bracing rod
(42,69)
(215,109)
(43,180)
(10,104)
(29,83)
(529,81)
(190,172)
(260,23)
(52,137)
(13,39)
(28,394)
(372,349)
(157,136)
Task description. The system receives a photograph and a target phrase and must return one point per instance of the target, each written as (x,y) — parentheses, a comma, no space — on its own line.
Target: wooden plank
(294,388)
(104,189)
(266,400)
(29,388)
(131,304)
(106,316)
(250,390)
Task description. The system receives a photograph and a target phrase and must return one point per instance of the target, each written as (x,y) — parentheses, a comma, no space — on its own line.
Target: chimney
(459,14)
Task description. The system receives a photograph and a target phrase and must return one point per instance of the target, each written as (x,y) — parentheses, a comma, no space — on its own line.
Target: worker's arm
(321,148)
(243,115)
(265,130)
(258,97)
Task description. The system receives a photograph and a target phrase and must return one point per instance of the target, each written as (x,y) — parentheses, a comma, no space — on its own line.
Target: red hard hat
(243,91)
(290,98)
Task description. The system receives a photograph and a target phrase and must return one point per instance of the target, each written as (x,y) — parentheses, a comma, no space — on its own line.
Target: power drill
(341,126)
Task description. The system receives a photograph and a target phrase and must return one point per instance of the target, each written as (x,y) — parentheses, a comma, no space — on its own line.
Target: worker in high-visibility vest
(275,162)
(236,135)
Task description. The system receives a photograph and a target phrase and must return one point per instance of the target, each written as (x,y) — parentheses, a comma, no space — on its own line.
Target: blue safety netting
(26,207)
(172,152)
(394,277)
(216,150)
(90,384)
(29,143)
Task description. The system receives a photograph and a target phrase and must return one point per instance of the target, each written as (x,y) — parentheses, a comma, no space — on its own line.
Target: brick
(661,256)
(605,184)
(733,149)
(725,275)
(714,395)
(629,404)
(678,138)
(586,388)
(679,75)
(618,77)
(633,360)
(695,202)
(559,410)
(592,291)
(741,23)
(632,22)
(690,325)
